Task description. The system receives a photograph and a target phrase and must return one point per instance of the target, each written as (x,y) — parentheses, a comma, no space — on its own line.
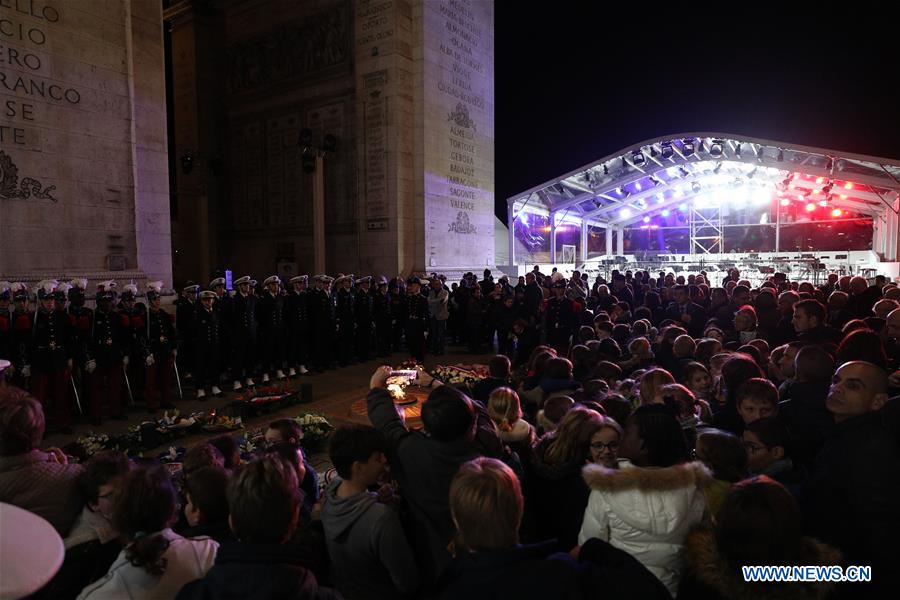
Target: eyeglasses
(599,446)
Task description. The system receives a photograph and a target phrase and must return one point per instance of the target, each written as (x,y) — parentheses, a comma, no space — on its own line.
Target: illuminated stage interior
(711,202)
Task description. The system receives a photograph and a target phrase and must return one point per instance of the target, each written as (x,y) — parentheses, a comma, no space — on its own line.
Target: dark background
(576,82)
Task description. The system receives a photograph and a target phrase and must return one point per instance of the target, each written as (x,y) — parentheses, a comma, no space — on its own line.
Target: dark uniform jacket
(50,341)
(109,338)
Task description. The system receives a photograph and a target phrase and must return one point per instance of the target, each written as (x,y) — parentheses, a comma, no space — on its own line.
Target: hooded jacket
(708,575)
(646,512)
(370,557)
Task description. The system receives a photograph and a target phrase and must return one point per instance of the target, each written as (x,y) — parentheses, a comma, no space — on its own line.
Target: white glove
(90,365)
(26,371)
(150,360)
(125,361)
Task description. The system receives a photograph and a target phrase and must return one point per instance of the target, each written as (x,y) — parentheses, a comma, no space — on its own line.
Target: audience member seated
(756,398)
(557,380)
(549,417)
(93,544)
(40,482)
(206,504)
(264,501)
(156,561)
(231,451)
(736,369)
(650,383)
(289,431)
(648,508)
(488,561)
(457,429)
(809,323)
(802,408)
(759,524)
(506,413)
(857,475)
(370,556)
(555,491)
(768,444)
(862,344)
(605,443)
(499,367)
(725,455)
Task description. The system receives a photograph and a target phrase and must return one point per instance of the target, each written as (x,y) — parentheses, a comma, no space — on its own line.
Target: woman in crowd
(156,562)
(647,509)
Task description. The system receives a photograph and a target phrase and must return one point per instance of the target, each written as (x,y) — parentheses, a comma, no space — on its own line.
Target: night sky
(576,83)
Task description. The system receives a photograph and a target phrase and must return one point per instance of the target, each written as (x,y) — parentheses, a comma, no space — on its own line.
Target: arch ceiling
(712,168)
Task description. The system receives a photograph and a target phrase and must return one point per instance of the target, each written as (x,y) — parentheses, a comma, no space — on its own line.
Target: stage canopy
(709,193)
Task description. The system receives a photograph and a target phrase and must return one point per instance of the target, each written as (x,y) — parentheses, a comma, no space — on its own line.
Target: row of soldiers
(62,350)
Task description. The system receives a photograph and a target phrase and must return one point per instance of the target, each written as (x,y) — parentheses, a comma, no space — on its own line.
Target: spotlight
(695,187)
(653,152)
(660,198)
(625,213)
(715,148)
(666,150)
(646,219)
(848,186)
(638,158)
(687,147)
(810,206)
(605,170)
(682,207)
(785,202)
(637,186)
(837,212)
(665,213)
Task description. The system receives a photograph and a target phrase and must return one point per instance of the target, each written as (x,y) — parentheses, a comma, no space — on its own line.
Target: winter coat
(186,560)
(555,497)
(708,575)
(647,512)
(521,573)
(424,468)
(370,557)
(802,410)
(48,489)
(246,571)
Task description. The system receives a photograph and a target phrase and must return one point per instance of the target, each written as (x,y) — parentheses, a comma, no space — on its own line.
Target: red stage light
(837,212)
(848,186)
(785,202)
(810,206)
(820,179)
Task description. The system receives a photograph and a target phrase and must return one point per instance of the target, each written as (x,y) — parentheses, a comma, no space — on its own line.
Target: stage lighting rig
(688,146)
(715,148)
(666,150)
(638,158)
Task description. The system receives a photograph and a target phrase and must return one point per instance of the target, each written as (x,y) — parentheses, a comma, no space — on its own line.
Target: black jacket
(256,572)
(853,494)
(520,573)
(803,412)
(424,468)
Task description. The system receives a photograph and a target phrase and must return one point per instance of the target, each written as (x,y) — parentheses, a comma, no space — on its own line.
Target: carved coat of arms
(461,117)
(12,189)
(462,224)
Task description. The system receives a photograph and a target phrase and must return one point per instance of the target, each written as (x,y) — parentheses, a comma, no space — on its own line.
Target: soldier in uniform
(81,320)
(206,344)
(223,306)
(5,325)
(296,312)
(381,311)
(49,357)
(365,318)
(398,306)
(109,341)
(559,318)
(244,330)
(22,325)
(185,318)
(134,320)
(270,313)
(346,323)
(415,318)
(321,315)
(159,348)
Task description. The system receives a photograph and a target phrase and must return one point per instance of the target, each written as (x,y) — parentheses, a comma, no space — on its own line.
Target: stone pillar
(83,161)
(196,87)
(425,108)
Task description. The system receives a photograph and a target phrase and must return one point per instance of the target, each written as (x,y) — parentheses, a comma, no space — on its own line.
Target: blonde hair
(650,383)
(486,503)
(572,438)
(504,408)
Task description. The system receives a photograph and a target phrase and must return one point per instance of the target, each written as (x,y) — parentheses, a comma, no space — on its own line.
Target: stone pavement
(333,393)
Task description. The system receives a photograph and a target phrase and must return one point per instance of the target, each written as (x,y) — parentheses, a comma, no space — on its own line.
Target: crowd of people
(644,437)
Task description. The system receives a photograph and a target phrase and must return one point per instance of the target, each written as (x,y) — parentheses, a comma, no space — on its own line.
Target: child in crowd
(756,398)
(506,412)
(724,453)
(206,504)
(370,556)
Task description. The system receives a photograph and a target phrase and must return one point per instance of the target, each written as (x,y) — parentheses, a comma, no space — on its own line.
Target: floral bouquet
(267,394)
(459,374)
(88,445)
(316,430)
(218,422)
